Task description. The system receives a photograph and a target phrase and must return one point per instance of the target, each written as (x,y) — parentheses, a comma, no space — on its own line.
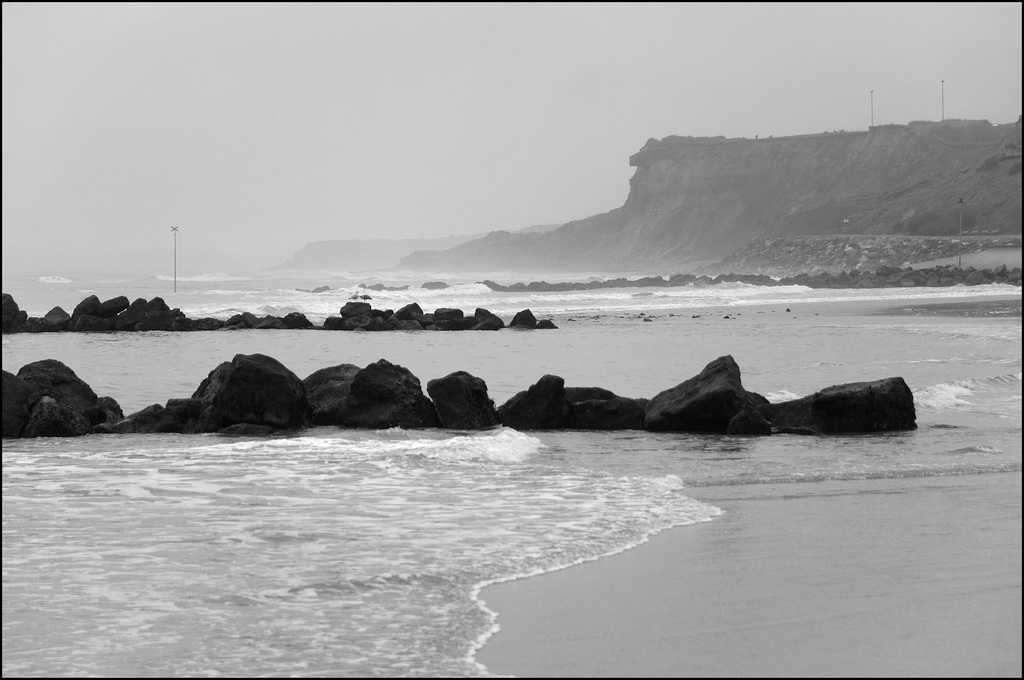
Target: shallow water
(344,552)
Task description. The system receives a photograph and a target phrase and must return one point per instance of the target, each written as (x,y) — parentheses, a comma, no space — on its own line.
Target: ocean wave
(53,279)
(204,278)
(955,393)
(780,396)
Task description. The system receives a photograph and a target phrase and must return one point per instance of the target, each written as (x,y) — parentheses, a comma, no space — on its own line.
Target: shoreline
(906,576)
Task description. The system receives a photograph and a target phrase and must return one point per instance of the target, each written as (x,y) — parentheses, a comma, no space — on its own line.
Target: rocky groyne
(814,255)
(882,276)
(254,394)
(117,314)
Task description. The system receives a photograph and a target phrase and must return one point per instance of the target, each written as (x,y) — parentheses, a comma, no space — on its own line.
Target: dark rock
(87,323)
(136,312)
(207,324)
(243,320)
(320,289)
(88,306)
(112,307)
(549,324)
(270,322)
(10,312)
(54,379)
(157,304)
(434,285)
(462,402)
(484,316)
(542,406)
(326,391)
(704,403)
(409,312)
(57,319)
(179,415)
(351,323)
(254,388)
(106,410)
(577,394)
(617,413)
(51,418)
(448,314)
(355,309)
(524,319)
(333,323)
(748,422)
(297,320)
(384,395)
(19,397)
(875,406)
(463,324)
(159,321)
(247,430)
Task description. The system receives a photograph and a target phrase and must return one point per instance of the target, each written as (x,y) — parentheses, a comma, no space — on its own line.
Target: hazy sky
(258,128)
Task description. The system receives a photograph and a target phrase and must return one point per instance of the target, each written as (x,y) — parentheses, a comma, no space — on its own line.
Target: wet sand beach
(901,577)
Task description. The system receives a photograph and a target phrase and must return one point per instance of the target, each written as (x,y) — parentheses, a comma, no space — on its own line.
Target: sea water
(346,552)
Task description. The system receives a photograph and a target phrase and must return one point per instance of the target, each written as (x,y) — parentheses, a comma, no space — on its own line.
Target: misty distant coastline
(708,204)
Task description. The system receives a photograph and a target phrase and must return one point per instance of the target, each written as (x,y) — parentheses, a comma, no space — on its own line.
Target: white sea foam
(53,279)
(205,278)
(780,396)
(945,395)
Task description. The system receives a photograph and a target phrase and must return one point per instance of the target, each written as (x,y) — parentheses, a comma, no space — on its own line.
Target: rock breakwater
(256,395)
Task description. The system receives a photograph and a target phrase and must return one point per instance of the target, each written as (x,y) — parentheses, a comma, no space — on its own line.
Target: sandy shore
(901,577)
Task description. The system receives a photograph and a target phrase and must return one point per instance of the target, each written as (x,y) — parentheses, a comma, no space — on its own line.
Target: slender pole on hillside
(174,233)
(943,101)
(872,108)
(960,242)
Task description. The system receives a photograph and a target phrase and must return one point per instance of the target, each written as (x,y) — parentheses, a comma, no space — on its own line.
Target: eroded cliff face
(695,200)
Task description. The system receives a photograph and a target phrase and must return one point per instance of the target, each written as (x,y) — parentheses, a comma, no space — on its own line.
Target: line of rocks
(777,256)
(255,394)
(117,314)
(882,276)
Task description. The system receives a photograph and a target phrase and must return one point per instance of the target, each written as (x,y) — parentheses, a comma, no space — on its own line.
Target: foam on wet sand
(910,576)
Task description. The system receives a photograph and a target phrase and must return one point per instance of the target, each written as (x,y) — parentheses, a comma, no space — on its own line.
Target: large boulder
(384,395)
(88,307)
(523,319)
(542,406)
(10,311)
(18,399)
(112,307)
(253,388)
(704,403)
(57,319)
(87,323)
(875,406)
(51,418)
(462,402)
(326,391)
(54,379)
(132,315)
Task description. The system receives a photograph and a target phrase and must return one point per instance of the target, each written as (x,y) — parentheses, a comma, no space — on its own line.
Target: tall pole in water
(174,234)
(943,101)
(872,108)
(960,241)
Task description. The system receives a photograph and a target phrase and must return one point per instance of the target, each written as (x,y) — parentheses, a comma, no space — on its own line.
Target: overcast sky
(258,128)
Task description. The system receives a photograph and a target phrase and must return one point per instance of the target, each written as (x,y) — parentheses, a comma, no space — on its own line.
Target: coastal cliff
(695,200)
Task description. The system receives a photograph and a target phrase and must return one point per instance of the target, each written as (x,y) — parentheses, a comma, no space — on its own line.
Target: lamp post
(174,234)
(872,108)
(960,241)
(943,101)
